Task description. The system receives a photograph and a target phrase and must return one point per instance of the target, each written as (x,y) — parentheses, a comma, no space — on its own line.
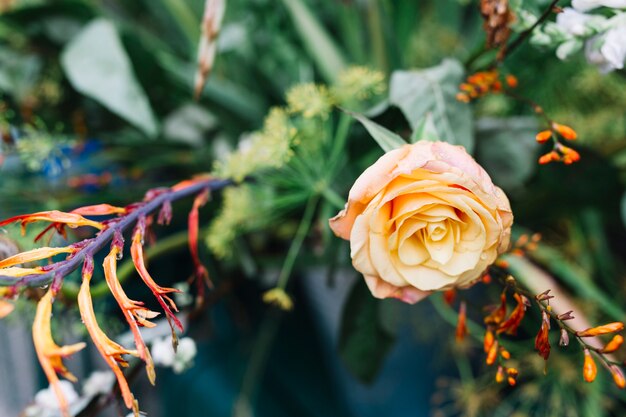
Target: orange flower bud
(500,375)
(618,376)
(614,344)
(461,327)
(492,354)
(597,331)
(543,136)
(488,340)
(512,373)
(505,353)
(486,279)
(565,131)
(497,316)
(449,296)
(589,367)
(511,81)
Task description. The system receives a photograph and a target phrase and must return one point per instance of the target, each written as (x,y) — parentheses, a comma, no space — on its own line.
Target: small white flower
(163,352)
(99,382)
(574,22)
(614,47)
(584,5)
(46,403)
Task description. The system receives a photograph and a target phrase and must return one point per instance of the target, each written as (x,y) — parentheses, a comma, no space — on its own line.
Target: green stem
(294,249)
(333,198)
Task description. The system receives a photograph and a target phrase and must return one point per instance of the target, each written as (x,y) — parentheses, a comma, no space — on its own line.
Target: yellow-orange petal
(6,308)
(34,255)
(543,136)
(614,344)
(589,367)
(50,355)
(73,220)
(600,330)
(17,272)
(565,131)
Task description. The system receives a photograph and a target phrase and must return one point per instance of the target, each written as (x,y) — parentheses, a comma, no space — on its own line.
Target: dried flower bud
(600,330)
(614,344)
(589,367)
(566,316)
(544,296)
(618,376)
(564,340)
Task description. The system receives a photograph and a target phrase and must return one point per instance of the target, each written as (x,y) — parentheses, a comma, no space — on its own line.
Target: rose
(422,218)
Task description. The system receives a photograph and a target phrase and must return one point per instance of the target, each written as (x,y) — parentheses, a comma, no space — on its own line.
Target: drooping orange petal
(159,292)
(50,355)
(6,307)
(542,341)
(70,219)
(17,272)
(99,210)
(200,271)
(512,323)
(110,351)
(34,255)
(134,312)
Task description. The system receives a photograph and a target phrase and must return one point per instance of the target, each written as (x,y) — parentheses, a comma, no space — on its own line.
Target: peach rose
(425,217)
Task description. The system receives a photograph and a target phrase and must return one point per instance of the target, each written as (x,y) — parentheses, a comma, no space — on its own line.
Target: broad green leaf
(97,66)
(425,130)
(363,341)
(316,39)
(385,138)
(507,149)
(433,90)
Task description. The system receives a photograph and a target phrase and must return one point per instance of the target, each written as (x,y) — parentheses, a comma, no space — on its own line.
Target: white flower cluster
(602,38)
(163,353)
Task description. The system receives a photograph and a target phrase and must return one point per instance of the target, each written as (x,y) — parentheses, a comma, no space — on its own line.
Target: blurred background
(96,105)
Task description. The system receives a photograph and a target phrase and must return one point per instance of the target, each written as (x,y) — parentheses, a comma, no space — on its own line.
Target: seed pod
(564,340)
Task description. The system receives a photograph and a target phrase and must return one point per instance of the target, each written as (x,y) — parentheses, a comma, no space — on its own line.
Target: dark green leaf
(363,341)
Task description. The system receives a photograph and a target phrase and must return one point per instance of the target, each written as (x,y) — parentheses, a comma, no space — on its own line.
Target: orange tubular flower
(589,367)
(50,355)
(542,341)
(512,323)
(565,131)
(200,270)
(543,136)
(496,317)
(136,315)
(600,330)
(70,219)
(461,327)
(34,255)
(110,351)
(159,292)
(614,344)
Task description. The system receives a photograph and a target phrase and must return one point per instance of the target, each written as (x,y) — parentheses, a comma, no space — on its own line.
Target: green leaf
(425,130)
(433,90)
(385,138)
(316,39)
(507,149)
(97,66)
(363,342)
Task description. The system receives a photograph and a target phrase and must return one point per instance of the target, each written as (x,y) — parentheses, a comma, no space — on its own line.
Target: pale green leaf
(385,138)
(425,130)
(433,90)
(97,66)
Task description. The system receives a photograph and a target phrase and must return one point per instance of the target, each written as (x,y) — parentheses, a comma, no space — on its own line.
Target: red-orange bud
(511,81)
(492,354)
(461,327)
(500,374)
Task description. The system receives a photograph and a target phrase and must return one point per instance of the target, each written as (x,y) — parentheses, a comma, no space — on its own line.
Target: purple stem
(95,244)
